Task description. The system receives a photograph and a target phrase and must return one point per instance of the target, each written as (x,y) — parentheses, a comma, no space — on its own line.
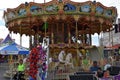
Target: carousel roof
(29,18)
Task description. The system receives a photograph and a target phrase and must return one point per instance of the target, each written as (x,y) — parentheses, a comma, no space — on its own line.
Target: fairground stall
(10,53)
(67,25)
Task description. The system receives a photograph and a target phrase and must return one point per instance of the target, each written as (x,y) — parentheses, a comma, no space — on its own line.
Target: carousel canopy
(29,18)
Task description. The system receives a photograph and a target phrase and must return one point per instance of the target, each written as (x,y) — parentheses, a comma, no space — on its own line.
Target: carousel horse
(74,39)
(45,43)
(44,49)
(68,60)
(61,61)
(61,57)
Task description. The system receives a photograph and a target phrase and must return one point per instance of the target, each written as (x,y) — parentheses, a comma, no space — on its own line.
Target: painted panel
(85,8)
(69,7)
(35,9)
(99,10)
(11,15)
(108,13)
(52,8)
(22,12)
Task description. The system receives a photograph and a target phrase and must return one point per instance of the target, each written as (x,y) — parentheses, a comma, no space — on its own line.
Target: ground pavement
(3,68)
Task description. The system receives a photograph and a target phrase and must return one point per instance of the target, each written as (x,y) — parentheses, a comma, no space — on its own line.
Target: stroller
(19,76)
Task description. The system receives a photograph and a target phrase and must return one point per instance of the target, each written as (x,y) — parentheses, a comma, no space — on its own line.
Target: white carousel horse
(45,43)
(45,47)
(60,58)
(50,60)
(68,60)
(73,39)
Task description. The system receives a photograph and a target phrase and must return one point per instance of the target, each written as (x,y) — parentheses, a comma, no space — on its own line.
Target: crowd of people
(102,68)
(99,71)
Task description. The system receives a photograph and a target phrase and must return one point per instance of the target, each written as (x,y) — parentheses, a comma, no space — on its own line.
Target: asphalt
(3,68)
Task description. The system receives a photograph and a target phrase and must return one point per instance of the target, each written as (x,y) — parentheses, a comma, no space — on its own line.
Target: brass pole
(76,27)
(20,36)
(101,34)
(21,56)
(102,46)
(76,34)
(109,37)
(45,28)
(45,18)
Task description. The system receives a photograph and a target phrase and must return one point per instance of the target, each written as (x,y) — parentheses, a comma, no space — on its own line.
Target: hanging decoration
(33,59)
(38,54)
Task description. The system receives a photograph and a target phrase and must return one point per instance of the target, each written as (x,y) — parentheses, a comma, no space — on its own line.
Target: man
(95,67)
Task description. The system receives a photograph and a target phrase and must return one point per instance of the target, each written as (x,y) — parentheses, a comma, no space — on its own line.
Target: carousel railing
(77,74)
(63,74)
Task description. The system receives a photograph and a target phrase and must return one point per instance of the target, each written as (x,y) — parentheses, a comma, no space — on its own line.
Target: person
(20,71)
(107,65)
(85,62)
(106,74)
(39,75)
(99,73)
(43,71)
(21,66)
(94,67)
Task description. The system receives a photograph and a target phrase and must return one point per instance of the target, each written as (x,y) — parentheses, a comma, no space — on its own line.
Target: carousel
(64,26)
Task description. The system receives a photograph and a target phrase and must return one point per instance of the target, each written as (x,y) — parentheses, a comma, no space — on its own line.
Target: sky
(4,4)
